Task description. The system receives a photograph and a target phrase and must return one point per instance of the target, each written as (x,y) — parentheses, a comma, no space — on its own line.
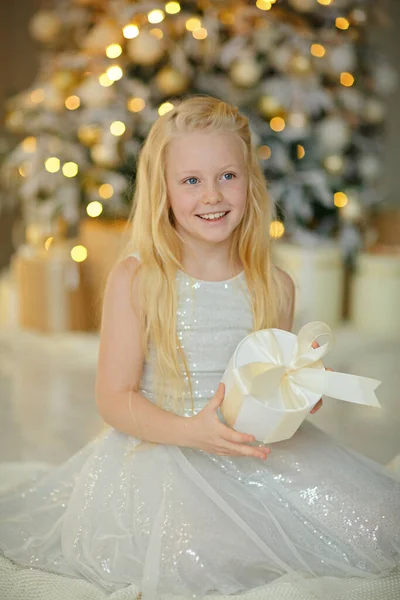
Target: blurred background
(82,82)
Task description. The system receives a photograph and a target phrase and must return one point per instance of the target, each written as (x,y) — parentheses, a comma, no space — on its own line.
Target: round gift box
(265,419)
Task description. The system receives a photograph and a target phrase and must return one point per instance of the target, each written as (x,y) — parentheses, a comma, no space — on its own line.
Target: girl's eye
(191,180)
(228,176)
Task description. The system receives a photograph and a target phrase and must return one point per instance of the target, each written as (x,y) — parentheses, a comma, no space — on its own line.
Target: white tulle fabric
(127,518)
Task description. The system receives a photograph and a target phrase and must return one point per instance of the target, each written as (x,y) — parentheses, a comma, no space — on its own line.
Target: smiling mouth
(213,216)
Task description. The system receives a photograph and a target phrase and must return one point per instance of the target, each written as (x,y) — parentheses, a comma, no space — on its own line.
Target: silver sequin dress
(169,520)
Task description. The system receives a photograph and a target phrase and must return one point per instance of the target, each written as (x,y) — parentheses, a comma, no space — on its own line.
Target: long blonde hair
(154,238)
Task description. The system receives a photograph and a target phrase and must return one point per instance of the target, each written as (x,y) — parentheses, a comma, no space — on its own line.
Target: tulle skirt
(171,521)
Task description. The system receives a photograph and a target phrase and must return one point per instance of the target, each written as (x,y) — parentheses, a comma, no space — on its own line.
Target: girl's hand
(319,403)
(212,436)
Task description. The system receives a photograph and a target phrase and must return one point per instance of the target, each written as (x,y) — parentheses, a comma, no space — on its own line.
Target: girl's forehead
(205,146)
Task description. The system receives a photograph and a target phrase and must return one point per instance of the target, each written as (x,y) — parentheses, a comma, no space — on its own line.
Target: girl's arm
(120,367)
(287,313)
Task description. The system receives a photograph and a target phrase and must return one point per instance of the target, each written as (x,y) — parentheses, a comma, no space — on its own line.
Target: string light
(130,31)
(342,23)
(117,128)
(114,72)
(264,4)
(325,2)
(158,33)
(136,104)
(346,79)
(79,253)
(70,169)
(48,243)
(156,16)
(264,152)
(318,50)
(200,33)
(300,151)
(52,164)
(276,229)
(192,24)
(172,8)
(37,96)
(29,144)
(164,108)
(106,191)
(72,102)
(105,81)
(277,124)
(94,209)
(113,51)
(340,199)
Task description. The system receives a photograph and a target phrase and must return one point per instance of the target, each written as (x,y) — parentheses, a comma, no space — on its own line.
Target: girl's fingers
(242,449)
(230,435)
(316,407)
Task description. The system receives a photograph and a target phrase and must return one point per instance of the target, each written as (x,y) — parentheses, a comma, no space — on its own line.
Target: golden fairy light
(52,164)
(48,243)
(156,16)
(94,209)
(157,32)
(342,23)
(164,108)
(172,8)
(70,169)
(300,151)
(276,229)
(318,50)
(79,253)
(117,128)
(277,124)
(200,33)
(192,24)
(113,51)
(136,104)
(106,191)
(264,152)
(114,72)
(264,4)
(22,171)
(72,102)
(325,2)
(37,96)
(340,199)
(105,81)
(29,144)
(347,79)
(130,31)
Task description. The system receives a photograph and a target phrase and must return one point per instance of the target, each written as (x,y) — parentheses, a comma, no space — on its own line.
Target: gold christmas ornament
(89,134)
(64,80)
(146,49)
(45,26)
(269,107)
(246,72)
(101,36)
(171,82)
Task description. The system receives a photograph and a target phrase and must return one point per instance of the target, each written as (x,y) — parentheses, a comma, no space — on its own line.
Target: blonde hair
(154,238)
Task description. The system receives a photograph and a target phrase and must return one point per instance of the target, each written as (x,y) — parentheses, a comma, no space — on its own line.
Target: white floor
(48,411)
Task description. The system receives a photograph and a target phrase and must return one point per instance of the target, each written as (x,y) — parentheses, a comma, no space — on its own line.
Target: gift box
(275,378)
(50,289)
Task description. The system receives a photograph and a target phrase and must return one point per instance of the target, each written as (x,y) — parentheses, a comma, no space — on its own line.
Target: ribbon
(275,378)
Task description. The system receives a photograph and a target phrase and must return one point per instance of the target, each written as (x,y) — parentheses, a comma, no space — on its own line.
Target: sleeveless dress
(315,520)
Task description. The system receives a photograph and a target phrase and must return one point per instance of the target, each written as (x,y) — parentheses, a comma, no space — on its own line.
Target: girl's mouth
(213,217)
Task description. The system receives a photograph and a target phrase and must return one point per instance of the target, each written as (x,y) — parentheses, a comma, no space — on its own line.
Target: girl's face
(207,185)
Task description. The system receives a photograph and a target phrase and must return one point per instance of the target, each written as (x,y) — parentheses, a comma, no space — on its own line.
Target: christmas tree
(305,72)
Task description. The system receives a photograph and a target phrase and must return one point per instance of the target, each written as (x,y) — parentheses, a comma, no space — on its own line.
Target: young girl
(169,500)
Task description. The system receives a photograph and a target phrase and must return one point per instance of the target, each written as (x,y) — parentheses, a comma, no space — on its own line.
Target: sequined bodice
(212,318)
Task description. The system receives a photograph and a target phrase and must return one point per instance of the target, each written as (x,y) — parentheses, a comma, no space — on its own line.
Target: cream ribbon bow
(275,378)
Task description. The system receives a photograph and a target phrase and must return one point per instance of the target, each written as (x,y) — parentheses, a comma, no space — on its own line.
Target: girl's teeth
(212,218)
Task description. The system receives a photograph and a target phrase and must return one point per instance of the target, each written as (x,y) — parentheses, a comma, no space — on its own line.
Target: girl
(169,500)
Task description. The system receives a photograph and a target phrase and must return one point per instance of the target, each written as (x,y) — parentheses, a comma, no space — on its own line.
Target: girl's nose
(213,194)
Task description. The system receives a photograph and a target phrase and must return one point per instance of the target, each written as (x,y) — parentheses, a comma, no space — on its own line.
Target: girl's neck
(211,267)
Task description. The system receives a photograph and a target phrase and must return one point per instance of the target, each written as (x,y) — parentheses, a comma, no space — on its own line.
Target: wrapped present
(50,289)
(275,378)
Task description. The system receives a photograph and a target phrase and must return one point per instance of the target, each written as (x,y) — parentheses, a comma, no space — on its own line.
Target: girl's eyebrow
(186,173)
